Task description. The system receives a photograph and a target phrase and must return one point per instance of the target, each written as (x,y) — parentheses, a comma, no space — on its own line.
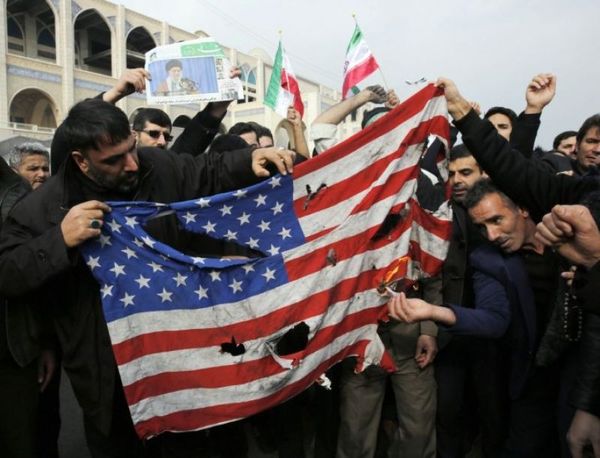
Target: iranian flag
(359,64)
(283,88)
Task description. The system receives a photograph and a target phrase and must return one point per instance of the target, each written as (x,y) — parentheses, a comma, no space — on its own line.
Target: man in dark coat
(39,255)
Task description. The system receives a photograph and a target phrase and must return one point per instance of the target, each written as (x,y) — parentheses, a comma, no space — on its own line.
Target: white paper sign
(189,72)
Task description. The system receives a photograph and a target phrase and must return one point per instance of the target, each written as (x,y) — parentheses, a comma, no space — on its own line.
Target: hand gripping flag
(198,341)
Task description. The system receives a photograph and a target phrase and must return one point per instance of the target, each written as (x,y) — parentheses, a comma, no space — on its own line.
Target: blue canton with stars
(137,273)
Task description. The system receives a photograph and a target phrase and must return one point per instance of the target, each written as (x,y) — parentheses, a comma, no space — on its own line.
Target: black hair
(592,121)
(370,114)
(482,188)
(241,128)
(261,131)
(153,115)
(502,110)
(227,142)
(563,135)
(90,124)
(458,152)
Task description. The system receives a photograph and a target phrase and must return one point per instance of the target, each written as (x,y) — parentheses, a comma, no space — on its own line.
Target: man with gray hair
(31,160)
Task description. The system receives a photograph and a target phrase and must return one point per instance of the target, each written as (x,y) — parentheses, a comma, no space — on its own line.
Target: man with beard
(39,256)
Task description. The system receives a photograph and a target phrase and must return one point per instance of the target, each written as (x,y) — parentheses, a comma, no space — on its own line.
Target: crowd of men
(498,356)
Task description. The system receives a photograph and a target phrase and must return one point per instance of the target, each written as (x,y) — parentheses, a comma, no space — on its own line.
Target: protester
(152,127)
(105,165)
(31,160)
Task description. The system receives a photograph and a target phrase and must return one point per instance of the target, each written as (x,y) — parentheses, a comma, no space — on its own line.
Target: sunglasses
(157,133)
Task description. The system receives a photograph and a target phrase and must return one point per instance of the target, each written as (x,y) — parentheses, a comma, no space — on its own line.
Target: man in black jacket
(22,371)
(39,256)
(523,180)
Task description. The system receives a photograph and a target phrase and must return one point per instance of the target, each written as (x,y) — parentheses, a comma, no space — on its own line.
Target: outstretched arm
(522,180)
(338,112)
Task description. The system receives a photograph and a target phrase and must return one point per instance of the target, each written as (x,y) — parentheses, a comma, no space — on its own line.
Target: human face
(175,73)
(265,142)
(462,174)
(567,146)
(250,138)
(35,169)
(146,137)
(114,167)
(504,225)
(588,149)
(502,124)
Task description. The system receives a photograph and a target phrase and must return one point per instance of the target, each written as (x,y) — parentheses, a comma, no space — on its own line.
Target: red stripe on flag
(357,74)
(290,84)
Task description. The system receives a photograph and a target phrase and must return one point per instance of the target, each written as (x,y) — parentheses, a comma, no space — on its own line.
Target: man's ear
(524,212)
(81,161)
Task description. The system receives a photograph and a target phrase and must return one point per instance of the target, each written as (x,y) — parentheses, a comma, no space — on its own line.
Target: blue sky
(490,48)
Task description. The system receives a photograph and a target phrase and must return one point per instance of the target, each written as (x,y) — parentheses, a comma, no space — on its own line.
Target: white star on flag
(264,225)
(165,296)
(252,243)
(114,226)
(240,193)
(215,275)
(269,274)
(225,210)
(118,269)
(189,218)
(129,252)
(104,240)
(203,203)
(201,292)
(244,219)
(155,267)
(180,279)
(261,199)
(131,221)
(93,262)
(278,208)
(284,233)
(236,286)
(127,299)
(275,181)
(209,227)
(106,291)
(143,281)
(230,235)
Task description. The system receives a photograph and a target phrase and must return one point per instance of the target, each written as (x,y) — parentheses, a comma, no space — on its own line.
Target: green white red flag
(283,89)
(360,62)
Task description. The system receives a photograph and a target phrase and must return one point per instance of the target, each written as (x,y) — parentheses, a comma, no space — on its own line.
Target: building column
(119,56)
(65,54)
(4,108)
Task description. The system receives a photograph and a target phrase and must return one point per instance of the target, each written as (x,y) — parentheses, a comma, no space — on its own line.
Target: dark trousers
(49,417)
(533,431)
(18,409)
(472,397)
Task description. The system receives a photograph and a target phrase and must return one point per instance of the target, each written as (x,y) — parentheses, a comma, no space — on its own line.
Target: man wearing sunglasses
(152,128)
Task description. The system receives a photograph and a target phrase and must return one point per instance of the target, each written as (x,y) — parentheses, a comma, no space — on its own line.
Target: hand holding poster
(190,71)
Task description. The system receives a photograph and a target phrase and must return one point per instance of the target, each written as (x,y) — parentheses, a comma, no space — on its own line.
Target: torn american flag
(196,339)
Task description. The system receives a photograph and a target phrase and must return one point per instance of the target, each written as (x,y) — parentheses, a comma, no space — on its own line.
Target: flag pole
(385,84)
